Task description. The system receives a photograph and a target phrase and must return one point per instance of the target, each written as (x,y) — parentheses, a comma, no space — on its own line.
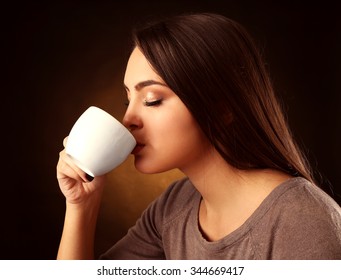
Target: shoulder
(182,189)
(306,222)
(178,197)
(176,201)
(298,195)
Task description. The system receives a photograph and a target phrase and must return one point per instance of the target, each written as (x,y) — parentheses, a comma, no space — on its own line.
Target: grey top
(297,220)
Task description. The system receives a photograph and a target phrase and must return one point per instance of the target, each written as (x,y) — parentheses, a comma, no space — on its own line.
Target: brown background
(61,57)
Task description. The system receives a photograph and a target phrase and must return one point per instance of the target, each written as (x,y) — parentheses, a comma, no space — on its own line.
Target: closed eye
(152,103)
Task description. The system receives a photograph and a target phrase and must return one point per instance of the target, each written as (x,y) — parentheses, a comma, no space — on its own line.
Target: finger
(89,177)
(65,141)
(67,167)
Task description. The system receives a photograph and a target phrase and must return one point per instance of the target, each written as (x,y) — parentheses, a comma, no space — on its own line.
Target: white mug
(98,143)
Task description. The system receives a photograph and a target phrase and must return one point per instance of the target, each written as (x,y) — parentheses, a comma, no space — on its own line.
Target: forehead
(138,69)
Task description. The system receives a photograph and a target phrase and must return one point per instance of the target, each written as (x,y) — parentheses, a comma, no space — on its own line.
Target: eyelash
(147,103)
(152,103)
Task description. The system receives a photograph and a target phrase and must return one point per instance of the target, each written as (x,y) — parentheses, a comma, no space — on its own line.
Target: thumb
(65,141)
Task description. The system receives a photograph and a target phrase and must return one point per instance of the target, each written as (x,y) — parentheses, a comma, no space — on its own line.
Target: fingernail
(89,177)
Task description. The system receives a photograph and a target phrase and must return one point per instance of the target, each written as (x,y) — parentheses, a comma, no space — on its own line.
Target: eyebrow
(146,83)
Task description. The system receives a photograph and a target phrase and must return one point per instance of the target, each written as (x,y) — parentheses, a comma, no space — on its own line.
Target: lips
(138,148)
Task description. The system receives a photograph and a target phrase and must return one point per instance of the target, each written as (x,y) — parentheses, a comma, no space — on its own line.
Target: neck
(229,194)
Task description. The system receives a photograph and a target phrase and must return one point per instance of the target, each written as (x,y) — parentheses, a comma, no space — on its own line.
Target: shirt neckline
(245,228)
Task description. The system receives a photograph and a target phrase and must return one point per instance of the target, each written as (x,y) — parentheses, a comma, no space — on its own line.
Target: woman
(200,99)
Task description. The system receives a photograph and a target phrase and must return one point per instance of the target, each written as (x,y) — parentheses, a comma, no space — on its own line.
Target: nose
(132,120)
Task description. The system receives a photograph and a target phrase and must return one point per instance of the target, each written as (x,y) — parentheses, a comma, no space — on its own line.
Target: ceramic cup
(98,143)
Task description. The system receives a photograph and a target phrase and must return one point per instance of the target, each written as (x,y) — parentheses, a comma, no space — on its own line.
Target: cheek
(179,138)
(176,129)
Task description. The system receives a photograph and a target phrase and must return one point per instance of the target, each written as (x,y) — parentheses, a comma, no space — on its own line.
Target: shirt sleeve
(143,241)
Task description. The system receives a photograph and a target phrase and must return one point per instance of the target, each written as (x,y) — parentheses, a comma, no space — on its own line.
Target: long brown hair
(213,65)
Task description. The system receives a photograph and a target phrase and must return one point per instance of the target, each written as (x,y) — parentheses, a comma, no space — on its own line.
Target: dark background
(61,57)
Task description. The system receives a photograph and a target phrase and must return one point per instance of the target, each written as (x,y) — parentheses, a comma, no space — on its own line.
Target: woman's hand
(82,206)
(77,186)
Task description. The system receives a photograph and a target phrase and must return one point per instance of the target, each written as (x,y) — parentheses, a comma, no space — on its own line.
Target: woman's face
(168,137)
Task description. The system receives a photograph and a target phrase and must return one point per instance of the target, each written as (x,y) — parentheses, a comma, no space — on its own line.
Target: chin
(150,167)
